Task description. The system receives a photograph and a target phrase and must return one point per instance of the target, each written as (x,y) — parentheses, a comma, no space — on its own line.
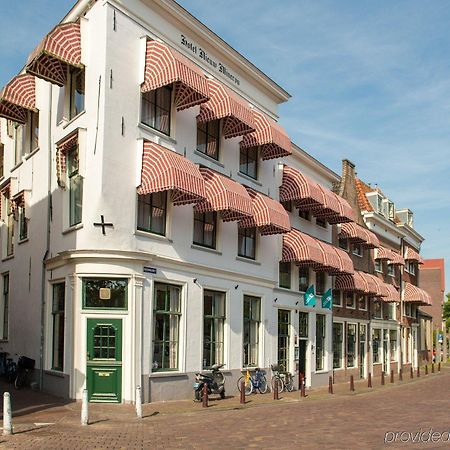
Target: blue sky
(370,82)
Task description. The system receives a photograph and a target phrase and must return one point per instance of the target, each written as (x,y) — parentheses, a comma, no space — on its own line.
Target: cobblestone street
(344,420)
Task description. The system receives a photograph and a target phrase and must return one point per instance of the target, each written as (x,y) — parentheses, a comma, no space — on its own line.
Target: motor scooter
(215,382)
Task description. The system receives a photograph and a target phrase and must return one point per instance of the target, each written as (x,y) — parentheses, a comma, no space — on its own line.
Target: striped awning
(60,48)
(301,249)
(268,215)
(18,96)
(379,285)
(393,257)
(372,285)
(412,255)
(345,214)
(330,204)
(164,66)
(233,109)
(396,259)
(359,235)
(301,189)
(269,136)
(226,196)
(352,282)
(414,294)
(393,293)
(346,263)
(164,170)
(331,261)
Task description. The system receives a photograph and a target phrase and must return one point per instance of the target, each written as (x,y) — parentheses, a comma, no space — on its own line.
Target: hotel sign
(203,55)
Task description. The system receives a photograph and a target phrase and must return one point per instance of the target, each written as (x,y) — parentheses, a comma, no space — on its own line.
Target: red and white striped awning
(229,106)
(393,293)
(414,294)
(345,214)
(164,170)
(352,282)
(378,284)
(301,189)
(18,96)
(331,262)
(396,259)
(268,215)
(164,66)
(301,249)
(412,255)
(62,149)
(226,196)
(372,285)
(393,257)
(60,48)
(346,263)
(330,204)
(269,136)
(358,234)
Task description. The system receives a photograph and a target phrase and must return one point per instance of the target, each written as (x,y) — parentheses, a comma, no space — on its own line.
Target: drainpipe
(401,310)
(47,248)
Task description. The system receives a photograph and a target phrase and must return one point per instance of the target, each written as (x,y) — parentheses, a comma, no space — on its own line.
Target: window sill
(7,258)
(158,133)
(356,254)
(16,166)
(249,178)
(67,122)
(248,260)
(76,227)
(208,158)
(321,371)
(27,157)
(23,241)
(55,373)
(167,374)
(149,235)
(206,249)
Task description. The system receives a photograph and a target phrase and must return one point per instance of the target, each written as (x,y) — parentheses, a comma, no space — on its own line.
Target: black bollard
(242,399)
(369,380)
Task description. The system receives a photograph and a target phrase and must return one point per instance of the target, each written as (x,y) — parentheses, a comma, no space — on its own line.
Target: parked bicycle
(11,370)
(283,380)
(257,381)
(24,367)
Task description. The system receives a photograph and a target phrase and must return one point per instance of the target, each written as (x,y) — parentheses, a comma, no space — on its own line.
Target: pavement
(378,417)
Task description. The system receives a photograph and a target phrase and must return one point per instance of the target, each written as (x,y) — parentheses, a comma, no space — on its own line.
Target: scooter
(215,382)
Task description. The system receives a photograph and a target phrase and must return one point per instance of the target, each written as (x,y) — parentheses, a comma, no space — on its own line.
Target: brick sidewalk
(344,420)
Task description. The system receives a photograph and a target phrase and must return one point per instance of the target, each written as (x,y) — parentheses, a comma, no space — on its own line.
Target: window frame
(23,223)
(378,265)
(215,137)
(305,270)
(6,285)
(246,172)
(322,284)
(104,308)
(391,270)
(155,108)
(284,339)
(247,234)
(60,315)
(287,274)
(357,250)
(338,345)
(217,323)
(355,344)
(213,222)
(320,339)
(142,203)
(72,106)
(321,222)
(347,297)
(75,186)
(251,320)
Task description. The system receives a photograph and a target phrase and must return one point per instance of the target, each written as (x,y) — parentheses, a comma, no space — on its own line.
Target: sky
(370,82)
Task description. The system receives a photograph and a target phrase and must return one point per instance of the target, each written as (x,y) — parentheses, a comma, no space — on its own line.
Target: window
(5,307)
(18,143)
(208,138)
(320,341)
(284,324)
(33,131)
(23,222)
(378,266)
(343,243)
(320,283)
(9,219)
(350,300)
(2,160)
(376,338)
(390,307)
(75,186)
(410,267)
(166,326)
(105,293)
(303,278)
(152,212)
(393,344)
(76,101)
(247,242)
(252,320)
(205,225)
(58,316)
(358,250)
(321,222)
(362,302)
(408,309)
(351,345)
(287,205)
(391,270)
(248,161)
(304,214)
(284,278)
(213,328)
(303,324)
(337,298)
(156,109)
(337,344)
(377,310)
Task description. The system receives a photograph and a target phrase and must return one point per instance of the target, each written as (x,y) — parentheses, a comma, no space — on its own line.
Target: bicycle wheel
(289,384)
(277,379)
(263,386)
(248,387)
(20,380)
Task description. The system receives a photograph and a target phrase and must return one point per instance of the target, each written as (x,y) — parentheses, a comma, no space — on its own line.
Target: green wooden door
(104,360)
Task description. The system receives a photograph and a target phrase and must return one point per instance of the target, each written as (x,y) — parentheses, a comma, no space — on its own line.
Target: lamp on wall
(236,286)
(275,300)
(296,302)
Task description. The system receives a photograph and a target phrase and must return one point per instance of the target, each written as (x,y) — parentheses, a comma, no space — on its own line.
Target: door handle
(88,355)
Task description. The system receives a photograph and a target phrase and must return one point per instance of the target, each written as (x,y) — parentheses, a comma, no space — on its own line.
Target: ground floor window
(252,320)
(213,328)
(105,293)
(58,315)
(166,326)
(338,332)
(5,307)
(320,341)
(284,322)
(393,344)
(303,324)
(376,338)
(351,345)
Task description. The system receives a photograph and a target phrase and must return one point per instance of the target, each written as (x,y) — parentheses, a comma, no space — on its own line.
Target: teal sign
(327,299)
(309,297)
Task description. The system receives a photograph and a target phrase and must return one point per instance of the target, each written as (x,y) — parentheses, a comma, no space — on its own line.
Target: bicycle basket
(26,363)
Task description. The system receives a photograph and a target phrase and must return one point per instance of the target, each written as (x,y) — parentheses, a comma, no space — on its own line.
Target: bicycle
(277,380)
(257,381)
(24,367)
(11,370)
